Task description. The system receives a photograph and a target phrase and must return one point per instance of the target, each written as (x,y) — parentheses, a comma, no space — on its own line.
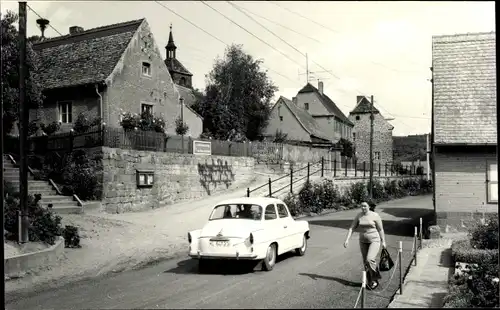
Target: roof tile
(464,76)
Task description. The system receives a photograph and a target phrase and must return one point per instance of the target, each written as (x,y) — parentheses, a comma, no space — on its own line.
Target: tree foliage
(237,96)
(410,148)
(10,72)
(347,148)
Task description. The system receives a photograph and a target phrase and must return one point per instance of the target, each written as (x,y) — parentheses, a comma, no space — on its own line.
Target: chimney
(75,29)
(320,87)
(294,100)
(42,24)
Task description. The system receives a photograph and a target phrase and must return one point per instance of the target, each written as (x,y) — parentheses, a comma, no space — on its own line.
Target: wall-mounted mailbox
(145,178)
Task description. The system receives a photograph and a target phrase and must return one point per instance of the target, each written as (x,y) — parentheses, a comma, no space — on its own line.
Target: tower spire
(170,45)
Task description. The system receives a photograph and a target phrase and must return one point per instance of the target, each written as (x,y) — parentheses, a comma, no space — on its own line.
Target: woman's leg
(371,261)
(364,247)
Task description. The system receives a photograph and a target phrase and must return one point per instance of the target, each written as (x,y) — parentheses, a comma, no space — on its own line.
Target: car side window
(270,213)
(282,211)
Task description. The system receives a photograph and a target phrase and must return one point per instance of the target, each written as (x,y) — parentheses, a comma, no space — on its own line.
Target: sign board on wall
(202,147)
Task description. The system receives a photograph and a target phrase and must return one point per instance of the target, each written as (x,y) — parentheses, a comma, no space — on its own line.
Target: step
(54,198)
(66,209)
(58,203)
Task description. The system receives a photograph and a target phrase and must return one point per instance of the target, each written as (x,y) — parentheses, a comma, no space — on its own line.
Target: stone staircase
(60,203)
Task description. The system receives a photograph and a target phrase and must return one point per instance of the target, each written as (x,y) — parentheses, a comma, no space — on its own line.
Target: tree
(237,96)
(10,73)
(347,148)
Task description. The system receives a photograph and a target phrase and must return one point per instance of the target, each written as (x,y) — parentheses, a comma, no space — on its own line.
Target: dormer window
(357,117)
(306,106)
(146,69)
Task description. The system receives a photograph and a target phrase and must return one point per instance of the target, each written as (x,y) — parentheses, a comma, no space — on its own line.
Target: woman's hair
(372,205)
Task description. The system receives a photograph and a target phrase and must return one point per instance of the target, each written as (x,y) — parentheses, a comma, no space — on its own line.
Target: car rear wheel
(302,250)
(270,260)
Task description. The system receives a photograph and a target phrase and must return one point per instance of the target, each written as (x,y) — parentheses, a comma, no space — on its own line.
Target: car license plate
(220,243)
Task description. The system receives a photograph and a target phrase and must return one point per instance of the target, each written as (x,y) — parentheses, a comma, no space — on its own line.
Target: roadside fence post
(71,140)
(322,166)
(363,288)
(415,245)
(355,167)
(379,169)
(345,166)
(335,167)
(270,191)
(248,191)
(364,169)
(291,180)
(400,258)
(385,169)
(19,227)
(308,169)
(420,234)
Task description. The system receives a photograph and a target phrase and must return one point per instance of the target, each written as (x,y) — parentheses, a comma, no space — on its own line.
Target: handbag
(386,262)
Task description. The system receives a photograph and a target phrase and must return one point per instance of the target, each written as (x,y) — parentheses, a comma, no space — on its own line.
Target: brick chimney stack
(320,87)
(75,30)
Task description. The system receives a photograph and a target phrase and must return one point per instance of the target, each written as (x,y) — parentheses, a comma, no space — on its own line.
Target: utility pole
(23,122)
(371,149)
(428,157)
(307,69)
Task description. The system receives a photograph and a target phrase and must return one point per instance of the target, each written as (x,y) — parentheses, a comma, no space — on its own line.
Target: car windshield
(236,211)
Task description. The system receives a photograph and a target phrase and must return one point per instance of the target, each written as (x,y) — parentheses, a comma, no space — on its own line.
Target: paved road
(327,276)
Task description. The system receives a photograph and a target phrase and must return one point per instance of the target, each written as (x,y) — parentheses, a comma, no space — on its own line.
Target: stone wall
(176,177)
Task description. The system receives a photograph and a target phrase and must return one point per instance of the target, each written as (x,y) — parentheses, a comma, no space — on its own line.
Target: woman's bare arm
(380,228)
(352,227)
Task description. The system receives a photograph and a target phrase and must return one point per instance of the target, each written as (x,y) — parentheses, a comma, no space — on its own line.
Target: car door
(288,227)
(274,226)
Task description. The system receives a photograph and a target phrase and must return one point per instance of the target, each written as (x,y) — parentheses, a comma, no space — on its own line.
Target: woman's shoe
(373,285)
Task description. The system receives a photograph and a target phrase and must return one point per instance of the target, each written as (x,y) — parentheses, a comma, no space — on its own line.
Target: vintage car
(249,228)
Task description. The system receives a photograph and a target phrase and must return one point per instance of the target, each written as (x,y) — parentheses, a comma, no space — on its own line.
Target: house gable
(464,87)
(282,119)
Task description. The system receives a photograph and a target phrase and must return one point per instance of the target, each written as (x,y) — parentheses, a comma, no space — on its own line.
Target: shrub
(145,122)
(357,193)
(379,193)
(329,194)
(307,198)
(462,251)
(50,128)
(71,237)
(44,225)
(293,205)
(84,123)
(82,176)
(181,128)
(485,236)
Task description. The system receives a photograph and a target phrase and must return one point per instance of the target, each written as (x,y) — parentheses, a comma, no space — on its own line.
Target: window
(236,211)
(147,108)
(146,69)
(354,136)
(492,182)
(282,211)
(377,156)
(281,118)
(145,178)
(182,81)
(270,213)
(306,106)
(66,112)
(357,117)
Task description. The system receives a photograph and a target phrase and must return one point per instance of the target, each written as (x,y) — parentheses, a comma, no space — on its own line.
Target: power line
(249,32)
(31,9)
(283,26)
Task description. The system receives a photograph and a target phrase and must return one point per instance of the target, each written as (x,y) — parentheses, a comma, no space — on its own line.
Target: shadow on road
(223,267)
(404,212)
(339,280)
(403,228)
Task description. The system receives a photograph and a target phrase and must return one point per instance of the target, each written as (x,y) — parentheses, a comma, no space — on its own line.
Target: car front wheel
(270,260)
(302,250)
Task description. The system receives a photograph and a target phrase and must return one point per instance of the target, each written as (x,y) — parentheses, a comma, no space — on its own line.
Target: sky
(355,47)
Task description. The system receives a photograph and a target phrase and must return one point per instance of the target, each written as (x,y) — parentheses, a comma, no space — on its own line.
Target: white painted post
(400,258)
(363,289)
(415,245)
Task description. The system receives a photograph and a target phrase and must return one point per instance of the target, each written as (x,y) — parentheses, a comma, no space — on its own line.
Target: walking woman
(371,236)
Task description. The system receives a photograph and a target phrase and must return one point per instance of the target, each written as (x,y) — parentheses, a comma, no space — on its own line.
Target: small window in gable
(147,108)
(146,69)
(357,117)
(306,106)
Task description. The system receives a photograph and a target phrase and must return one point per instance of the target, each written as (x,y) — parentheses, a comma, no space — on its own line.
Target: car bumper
(235,256)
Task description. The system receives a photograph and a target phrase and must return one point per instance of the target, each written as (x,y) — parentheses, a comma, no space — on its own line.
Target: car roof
(262,201)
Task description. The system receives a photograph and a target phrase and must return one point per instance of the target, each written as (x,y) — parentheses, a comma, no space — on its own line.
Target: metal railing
(416,246)
(362,169)
(292,181)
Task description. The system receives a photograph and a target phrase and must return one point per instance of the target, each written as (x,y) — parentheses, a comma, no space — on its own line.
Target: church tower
(180,75)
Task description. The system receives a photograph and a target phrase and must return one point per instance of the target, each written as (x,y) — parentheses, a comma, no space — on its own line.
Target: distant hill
(410,148)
